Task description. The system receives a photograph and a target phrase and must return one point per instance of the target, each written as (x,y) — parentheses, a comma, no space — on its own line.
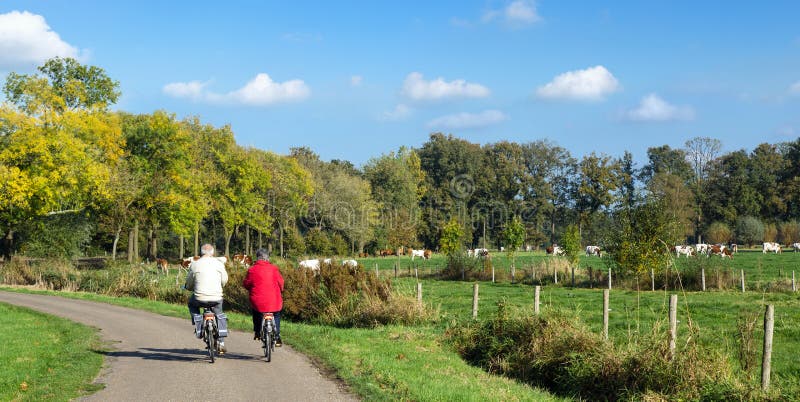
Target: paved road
(157,358)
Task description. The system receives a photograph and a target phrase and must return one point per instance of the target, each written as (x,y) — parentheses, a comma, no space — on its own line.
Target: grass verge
(383,363)
(45,357)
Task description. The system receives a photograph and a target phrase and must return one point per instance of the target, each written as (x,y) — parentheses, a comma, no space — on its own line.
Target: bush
(749,230)
(558,352)
(339,245)
(719,232)
(770,232)
(789,232)
(317,242)
(57,236)
(463,267)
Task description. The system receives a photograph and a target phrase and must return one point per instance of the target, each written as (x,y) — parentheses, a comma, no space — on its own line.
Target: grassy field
(413,363)
(45,357)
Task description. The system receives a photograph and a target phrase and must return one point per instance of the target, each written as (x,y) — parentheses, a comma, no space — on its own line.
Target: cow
(770,246)
(593,250)
(734,248)
(163,265)
(327,261)
(702,248)
(188,261)
(796,247)
(427,254)
(313,265)
(480,252)
(554,250)
(242,259)
(502,248)
(685,250)
(718,249)
(417,253)
(727,253)
(350,263)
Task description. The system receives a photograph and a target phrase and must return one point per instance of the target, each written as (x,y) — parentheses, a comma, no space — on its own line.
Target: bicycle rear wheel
(211,343)
(266,340)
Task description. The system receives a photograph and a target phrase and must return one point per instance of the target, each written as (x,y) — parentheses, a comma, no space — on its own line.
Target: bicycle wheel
(211,343)
(266,339)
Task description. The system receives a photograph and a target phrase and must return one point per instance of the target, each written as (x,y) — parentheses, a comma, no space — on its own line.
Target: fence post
(703,278)
(605,313)
(492,273)
(609,279)
(769,325)
(376,270)
(555,276)
(395,270)
(794,286)
(652,280)
(573,276)
(475,301)
(673,324)
(536,292)
(742,271)
(416,273)
(419,292)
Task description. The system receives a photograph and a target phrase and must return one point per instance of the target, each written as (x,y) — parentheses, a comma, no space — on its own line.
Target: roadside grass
(46,357)
(384,363)
(713,316)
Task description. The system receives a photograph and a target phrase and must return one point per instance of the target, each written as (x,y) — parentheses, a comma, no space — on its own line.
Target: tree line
(77,178)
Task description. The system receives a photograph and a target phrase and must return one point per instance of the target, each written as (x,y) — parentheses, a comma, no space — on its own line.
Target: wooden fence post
(605,313)
(377,274)
(742,271)
(416,273)
(555,276)
(513,273)
(769,325)
(703,279)
(419,292)
(609,279)
(652,280)
(794,286)
(573,276)
(395,270)
(475,301)
(492,273)
(536,292)
(673,324)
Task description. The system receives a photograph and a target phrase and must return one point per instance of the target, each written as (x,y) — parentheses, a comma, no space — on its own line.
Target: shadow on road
(182,354)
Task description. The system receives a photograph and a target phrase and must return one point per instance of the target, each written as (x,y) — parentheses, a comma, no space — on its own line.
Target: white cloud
(26,40)
(399,112)
(788,131)
(468,120)
(356,80)
(415,87)
(192,89)
(591,84)
(516,13)
(260,91)
(795,88)
(653,108)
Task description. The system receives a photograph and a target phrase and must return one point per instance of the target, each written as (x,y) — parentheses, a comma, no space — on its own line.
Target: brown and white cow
(771,246)
(162,264)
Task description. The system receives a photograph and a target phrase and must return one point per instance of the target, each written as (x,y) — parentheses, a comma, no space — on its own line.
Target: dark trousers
(194,307)
(258,316)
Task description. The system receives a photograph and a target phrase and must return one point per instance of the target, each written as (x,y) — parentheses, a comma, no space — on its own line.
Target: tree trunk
(136,241)
(196,240)
(280,236)
(130,245)
(181,248)
(116,240)
(7,246)
(247,247)
(228,235)
(260,243)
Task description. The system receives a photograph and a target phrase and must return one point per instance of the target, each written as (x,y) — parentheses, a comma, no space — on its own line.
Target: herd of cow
(426,254)
(726,251)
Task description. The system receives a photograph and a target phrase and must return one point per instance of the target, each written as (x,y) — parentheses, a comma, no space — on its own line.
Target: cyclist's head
(207,249)
(262,254)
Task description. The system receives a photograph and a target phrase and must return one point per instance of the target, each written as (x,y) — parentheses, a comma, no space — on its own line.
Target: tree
(547,186)
(513,237)
(452,240)
(790,232)
(571,241)
(700,153)
(56,155)
(640,241)
(665,160)
(599,177)
(749,230)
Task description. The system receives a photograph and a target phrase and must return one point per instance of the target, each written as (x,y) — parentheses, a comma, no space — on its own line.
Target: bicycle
(268,335)
(210,333)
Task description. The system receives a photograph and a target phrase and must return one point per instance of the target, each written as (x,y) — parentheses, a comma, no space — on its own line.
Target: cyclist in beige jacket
(205,279)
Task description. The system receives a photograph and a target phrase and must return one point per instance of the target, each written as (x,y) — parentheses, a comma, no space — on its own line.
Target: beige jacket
(206,278)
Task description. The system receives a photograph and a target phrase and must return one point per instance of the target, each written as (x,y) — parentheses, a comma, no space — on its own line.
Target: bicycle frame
(210,334)
(268,335)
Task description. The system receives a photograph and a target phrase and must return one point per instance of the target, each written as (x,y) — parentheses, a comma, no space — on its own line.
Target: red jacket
(265,284)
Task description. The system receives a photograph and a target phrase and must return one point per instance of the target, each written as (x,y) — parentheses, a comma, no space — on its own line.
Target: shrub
(463,267)
(770,232)
(718,232)
(339,245)
(317,242)
(789,232)
(558,352)
(58,236)
(749,230)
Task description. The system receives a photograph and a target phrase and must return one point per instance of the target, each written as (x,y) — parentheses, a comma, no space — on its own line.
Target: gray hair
(207,249)
(262,254)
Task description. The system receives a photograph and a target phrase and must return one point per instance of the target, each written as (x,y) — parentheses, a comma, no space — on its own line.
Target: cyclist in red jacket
(265,284)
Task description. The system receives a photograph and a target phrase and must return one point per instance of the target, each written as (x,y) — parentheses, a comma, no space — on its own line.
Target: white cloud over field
(591,84)
(27,41)
(260,91)
(653,108)
(415,87)
(517,13)
(468,120)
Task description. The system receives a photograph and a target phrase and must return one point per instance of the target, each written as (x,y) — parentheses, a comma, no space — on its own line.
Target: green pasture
(45,357)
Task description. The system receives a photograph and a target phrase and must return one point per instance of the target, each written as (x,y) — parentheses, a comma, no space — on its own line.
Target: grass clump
(557,352)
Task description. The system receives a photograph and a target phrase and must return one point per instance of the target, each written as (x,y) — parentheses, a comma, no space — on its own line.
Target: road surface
(157,358)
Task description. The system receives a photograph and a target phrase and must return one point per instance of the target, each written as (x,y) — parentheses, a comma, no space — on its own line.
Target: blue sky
(353,80)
